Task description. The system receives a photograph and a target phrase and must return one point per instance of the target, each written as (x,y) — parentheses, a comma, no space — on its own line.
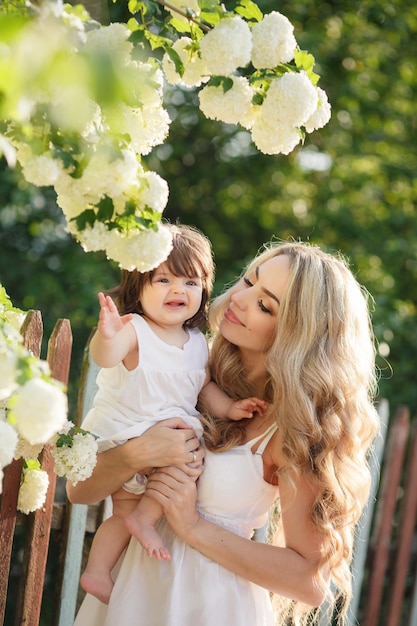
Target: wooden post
(405,534)
(397,440)
(31,331)
(39,522)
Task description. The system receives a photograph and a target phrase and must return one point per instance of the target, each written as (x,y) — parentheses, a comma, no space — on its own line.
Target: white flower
(32,492)
(155,191)
(8,443)
(40,409)
(76,462)
(111,40)
(146,128)
(8,372)
(92,239)
(227,46)
(321,115)
(141,250)
(15,318)
(195,70)
(41,170)
(227,106)
(290,100)
(273,41)
(274,139)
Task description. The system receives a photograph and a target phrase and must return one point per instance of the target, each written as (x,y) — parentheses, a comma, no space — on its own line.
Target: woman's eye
(263,307)
(247,282)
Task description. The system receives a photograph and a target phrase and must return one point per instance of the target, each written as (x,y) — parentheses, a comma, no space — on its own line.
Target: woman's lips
(231,317)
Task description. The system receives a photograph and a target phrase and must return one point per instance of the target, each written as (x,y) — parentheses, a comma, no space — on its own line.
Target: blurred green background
(352,187)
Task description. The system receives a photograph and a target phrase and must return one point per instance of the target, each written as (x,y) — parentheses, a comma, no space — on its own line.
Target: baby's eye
(192,283)
(162,279)
(263,307)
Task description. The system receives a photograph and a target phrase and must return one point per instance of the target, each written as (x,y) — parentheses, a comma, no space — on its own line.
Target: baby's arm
(221,405)
(115,338)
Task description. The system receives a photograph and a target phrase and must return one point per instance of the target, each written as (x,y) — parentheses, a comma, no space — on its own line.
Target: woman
(294,331)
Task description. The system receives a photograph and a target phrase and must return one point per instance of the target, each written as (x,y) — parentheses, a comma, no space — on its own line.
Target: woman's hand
(176,491)
(170,442)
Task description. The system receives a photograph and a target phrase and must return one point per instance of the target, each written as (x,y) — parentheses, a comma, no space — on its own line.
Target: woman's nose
(239,299)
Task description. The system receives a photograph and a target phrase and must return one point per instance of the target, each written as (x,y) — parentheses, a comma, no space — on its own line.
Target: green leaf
(249,10)
(226,82)
(32,464)
(105,209)
(175,58)
(86,218)
(64,440)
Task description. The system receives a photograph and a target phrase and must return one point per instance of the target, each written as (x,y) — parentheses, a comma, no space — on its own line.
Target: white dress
(165,384)
(191,590)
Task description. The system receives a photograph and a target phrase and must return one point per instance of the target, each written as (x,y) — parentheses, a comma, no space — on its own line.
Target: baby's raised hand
(240,409)
(110,321)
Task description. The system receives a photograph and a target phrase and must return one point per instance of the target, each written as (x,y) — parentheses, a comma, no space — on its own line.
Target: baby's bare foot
(148,537)
(98,585)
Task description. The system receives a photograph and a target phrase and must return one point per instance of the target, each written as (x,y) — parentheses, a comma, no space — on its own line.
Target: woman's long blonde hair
(321,382)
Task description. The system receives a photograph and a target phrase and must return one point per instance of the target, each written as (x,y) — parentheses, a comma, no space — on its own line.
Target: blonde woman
(294,331)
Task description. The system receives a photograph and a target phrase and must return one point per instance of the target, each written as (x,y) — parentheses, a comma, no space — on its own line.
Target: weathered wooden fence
(384,567)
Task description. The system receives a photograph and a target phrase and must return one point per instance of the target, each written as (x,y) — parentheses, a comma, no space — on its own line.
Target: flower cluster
(278,99)
(82,104)
(33,413)
(88,111)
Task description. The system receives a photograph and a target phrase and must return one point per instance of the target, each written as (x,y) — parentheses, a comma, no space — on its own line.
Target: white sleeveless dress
(165,384)
(191,590)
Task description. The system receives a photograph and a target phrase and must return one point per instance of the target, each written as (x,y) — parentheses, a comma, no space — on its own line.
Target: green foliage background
(352,187)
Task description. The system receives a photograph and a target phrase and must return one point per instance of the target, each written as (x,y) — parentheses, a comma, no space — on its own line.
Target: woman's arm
(170,442)
(288,571)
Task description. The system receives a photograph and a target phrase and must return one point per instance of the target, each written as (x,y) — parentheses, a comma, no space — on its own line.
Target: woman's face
(250,320)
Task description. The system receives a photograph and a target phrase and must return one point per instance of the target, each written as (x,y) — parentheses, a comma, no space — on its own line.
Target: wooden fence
(384,566)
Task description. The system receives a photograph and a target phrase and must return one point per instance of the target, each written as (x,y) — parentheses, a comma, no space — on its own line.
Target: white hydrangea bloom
(141,250)
(109,177)
(274,139)
(8,443)
(321,115)
(147,82)
(154,193)
(290,100)
(8,372)
(112,39)
(91,239)
(273,41)
(227,106)
(227,46)
(73,197)
(25,450)
(252,114)
(32,492)
(195,70)
(185,6)
(42,170)
(146,128)
(40,409)
(76,462)
(16,319)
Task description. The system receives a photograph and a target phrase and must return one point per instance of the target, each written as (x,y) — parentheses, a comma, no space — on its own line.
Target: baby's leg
(110,540)
(141,524)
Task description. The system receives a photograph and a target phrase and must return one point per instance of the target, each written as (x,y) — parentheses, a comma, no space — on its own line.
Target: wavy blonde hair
(321,381)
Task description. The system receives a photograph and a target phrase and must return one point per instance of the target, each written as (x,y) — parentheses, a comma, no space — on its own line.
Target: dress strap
(267,436)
